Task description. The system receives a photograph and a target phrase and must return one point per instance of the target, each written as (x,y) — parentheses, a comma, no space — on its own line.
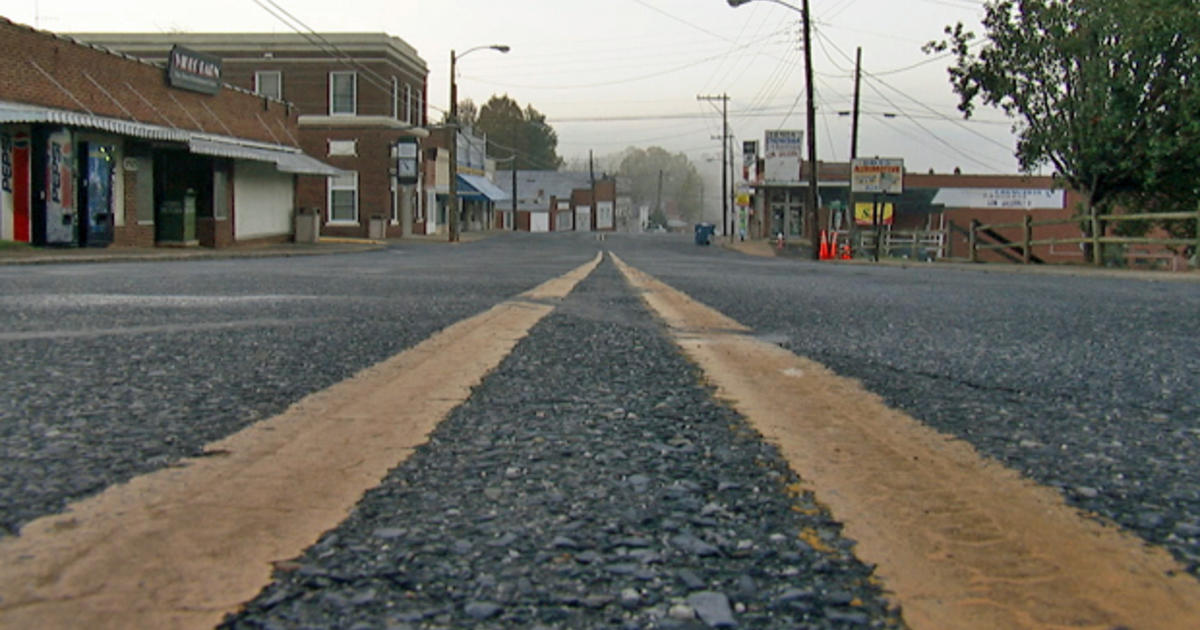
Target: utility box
(308,225)
(377,227)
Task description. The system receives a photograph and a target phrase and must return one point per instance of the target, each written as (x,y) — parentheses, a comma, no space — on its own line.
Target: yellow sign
(743,199)
(863,210)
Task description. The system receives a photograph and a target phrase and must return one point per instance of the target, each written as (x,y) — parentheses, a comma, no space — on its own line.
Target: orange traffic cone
(846,251)
(824,253)
(833,245)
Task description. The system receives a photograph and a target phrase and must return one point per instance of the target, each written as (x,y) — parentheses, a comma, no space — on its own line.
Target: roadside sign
(864,209)
(877,175)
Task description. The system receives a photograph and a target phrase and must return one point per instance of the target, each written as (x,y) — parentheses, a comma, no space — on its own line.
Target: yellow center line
(961,541)
(181,547)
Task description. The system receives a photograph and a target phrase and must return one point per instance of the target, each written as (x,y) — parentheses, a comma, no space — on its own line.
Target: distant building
(357,94)
(564,201)
(100,148)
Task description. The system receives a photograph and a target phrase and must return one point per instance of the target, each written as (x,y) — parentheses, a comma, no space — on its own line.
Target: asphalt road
(1087,384)
(111,370)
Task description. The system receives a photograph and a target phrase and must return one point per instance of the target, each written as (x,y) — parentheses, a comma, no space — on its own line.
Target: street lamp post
(452,195)
(811,202)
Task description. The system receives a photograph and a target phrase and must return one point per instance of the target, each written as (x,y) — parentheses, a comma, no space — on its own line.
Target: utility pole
(658,197)
(854,115)
(514,199)
(724,98)
(851,223)
(813,192)
(452,191)
(594,218)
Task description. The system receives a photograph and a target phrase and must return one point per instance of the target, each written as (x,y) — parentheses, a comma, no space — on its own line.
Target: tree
(510,129)
(681,184)
(1107,91)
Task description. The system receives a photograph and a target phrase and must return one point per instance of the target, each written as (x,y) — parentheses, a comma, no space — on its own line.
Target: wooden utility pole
(724,98)
(854,114)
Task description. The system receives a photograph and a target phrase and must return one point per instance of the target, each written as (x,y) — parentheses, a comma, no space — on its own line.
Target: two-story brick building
(358,96)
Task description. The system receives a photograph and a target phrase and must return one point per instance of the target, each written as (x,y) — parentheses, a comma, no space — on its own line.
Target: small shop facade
(99,148)
(936,207)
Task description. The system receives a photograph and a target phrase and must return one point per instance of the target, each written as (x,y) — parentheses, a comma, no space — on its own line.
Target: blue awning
(479,187)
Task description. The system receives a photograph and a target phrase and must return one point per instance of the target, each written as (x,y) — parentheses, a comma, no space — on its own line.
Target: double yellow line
(959,541)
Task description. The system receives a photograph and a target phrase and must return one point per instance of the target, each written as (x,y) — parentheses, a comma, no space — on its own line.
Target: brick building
(358,95)
(99,148)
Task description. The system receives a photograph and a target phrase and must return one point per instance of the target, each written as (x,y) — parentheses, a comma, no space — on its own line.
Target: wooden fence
(914,244)
(1022,250)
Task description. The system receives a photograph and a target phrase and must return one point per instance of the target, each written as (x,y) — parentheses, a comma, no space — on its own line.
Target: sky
(611,74)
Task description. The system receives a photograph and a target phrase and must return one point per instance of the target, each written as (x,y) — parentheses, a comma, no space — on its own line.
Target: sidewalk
(21,254)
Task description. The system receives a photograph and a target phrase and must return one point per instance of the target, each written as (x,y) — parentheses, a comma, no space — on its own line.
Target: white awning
(25,113)
(286,159)
(480,184)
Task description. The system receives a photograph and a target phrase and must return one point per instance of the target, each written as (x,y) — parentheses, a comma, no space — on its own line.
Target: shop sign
(864,213)
(1016,198)
(782,150)
(877,175)
(191,70)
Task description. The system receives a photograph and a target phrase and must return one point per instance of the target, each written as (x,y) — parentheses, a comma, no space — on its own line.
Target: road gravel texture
(113,370)
(1087,384)
(591,481)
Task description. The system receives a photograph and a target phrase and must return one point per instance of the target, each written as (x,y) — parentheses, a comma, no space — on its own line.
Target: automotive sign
(877,175)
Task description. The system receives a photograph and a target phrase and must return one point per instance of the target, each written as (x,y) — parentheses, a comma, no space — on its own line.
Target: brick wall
(37,63)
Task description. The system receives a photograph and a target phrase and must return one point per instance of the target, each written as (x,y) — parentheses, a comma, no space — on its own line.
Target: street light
(811,202)
(452,197)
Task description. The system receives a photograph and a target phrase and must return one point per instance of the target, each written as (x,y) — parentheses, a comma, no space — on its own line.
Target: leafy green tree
(682,187)
(526,131)
(1107,91)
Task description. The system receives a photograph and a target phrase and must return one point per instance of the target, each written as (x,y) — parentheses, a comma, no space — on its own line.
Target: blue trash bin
(704,233)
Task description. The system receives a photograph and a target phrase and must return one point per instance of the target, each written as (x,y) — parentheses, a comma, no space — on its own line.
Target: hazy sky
(614,73)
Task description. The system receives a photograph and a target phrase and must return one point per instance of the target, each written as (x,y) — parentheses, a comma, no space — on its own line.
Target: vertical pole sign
(876,176)
(407,168)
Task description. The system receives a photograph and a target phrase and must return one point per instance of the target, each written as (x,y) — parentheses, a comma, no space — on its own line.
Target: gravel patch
(589,482)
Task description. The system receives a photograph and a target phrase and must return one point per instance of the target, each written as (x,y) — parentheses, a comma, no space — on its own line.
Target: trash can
(704,233)
(308,225)
(377,227)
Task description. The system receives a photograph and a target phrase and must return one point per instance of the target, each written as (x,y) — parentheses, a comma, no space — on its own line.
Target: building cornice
(361,122)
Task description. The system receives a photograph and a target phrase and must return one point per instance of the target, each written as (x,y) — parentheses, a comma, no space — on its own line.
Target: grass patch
(7,246)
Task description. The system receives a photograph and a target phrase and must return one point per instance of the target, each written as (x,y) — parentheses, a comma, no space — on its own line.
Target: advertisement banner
(863,211)
(6,186)
(877,175)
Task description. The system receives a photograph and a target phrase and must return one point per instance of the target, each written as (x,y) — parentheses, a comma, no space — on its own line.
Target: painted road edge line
(959,540)
(182,547)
